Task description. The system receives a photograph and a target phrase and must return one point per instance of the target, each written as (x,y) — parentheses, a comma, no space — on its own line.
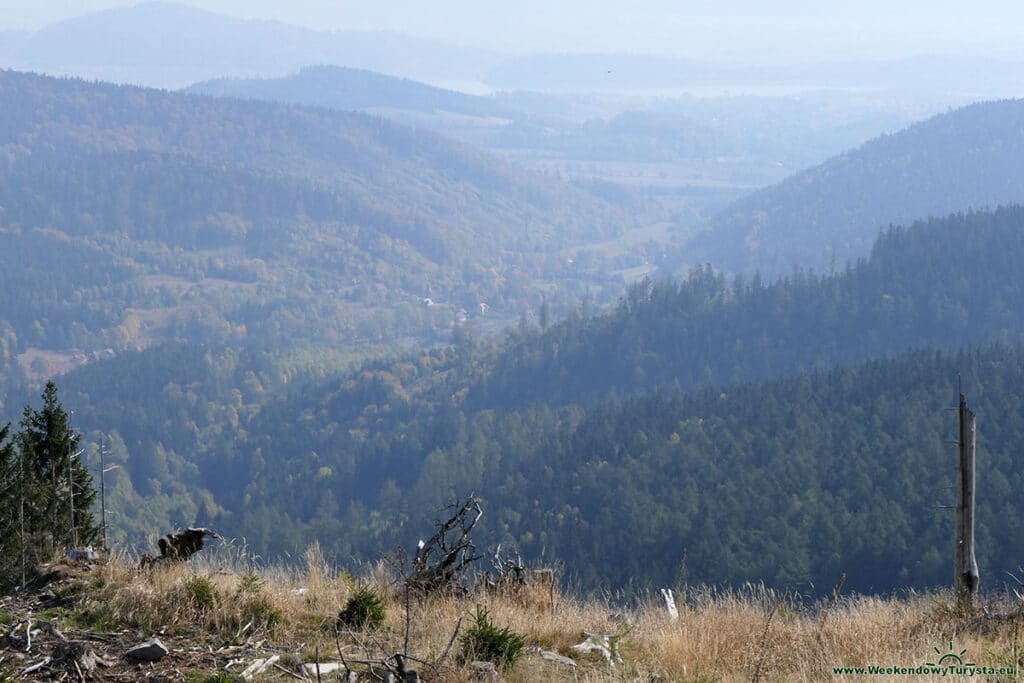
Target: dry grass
(745,634)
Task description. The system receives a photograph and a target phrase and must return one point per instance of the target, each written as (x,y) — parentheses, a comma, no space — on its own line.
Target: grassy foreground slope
(218,619)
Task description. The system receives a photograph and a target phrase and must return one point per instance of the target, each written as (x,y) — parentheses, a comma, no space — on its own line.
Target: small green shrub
(251,583)
(201,592)
(485,641)
(261,611)
(364,609)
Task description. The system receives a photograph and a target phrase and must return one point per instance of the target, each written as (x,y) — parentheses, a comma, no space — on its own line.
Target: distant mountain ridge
(350,89)
(166,44)
(171,45)
(970,158)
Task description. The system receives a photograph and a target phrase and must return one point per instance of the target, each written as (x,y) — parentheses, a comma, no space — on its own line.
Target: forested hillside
(793,481)
(946,282)
(130,217)
(204,272)
(968,158)
(558,430)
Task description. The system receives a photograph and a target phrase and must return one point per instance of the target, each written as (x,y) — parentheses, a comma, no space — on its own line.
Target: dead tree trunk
(967,577)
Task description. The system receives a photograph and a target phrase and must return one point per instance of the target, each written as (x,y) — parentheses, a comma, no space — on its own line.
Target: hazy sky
(772,31)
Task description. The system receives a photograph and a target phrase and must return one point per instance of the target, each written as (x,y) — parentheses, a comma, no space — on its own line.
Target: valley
(311,295)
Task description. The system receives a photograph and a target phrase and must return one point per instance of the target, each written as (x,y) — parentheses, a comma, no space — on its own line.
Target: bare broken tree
(528,586)
(440,561)
(510,572)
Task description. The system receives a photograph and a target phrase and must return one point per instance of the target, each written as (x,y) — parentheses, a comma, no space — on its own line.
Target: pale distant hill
(969,158)
(348,89)
(171,45)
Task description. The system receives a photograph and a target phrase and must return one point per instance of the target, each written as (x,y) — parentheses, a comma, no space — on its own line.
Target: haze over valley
(307,276)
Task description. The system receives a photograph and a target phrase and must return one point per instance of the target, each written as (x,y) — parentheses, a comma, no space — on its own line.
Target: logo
(950,658)
(949,663)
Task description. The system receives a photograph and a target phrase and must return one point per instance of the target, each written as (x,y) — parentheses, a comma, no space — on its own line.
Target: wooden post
(967,578)
(71,498)
(21,515)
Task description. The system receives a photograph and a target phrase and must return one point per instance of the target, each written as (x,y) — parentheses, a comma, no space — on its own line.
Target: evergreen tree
(56,481)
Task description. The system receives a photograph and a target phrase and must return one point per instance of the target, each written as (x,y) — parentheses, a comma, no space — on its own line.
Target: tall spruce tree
(56,481)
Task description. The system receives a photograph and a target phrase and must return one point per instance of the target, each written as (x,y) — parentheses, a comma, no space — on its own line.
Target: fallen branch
(37,667)
(292,673)
(605,643)
(341,654)
(555,657)
(451,642)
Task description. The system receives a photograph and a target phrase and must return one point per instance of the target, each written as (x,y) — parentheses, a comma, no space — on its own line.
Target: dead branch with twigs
(441,560)
(510,571)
